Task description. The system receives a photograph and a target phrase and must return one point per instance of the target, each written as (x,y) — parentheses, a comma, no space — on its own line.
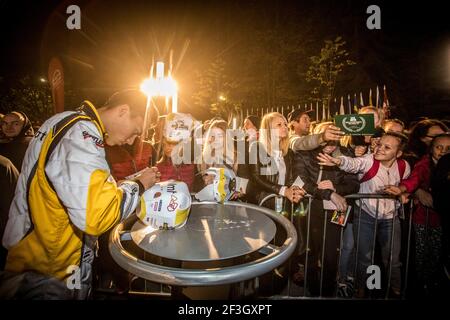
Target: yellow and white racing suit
(65,198)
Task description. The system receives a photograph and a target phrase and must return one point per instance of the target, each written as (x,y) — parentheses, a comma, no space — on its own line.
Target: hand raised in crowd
(339,201)
(326,184)
(360,151)
(294,194)
(374,143)
(327,160)
(149,177)
(424,197)
(332,133)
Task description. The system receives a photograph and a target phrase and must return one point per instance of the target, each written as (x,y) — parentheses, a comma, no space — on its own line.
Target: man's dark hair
(403,139)
(255,120)
(135,99)
(295,115)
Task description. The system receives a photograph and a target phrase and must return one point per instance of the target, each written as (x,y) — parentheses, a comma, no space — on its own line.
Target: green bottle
(300,210)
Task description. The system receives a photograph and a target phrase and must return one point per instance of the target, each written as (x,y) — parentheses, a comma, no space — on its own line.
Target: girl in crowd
(215,149)
(427,225)
(181,172)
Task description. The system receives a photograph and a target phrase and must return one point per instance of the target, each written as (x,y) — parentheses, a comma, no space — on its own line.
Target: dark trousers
(323,256)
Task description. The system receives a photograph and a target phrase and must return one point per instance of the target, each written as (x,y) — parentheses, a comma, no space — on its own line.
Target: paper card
(356,124)
(340,217)
(241,184)
(298,182)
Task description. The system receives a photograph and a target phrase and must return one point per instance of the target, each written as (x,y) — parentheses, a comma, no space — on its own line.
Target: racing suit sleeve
(79,174)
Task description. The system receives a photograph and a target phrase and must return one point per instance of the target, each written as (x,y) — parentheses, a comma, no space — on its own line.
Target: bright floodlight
(165,87)
(161,86)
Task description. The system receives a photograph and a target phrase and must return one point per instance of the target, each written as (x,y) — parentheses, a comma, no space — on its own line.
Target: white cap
(178,126)
(222,188)
(165,205)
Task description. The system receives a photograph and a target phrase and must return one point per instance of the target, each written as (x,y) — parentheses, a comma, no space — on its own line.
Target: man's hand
(327,160)
(326,184)
(149,177)
(424,197)
(332,133)
(339,201)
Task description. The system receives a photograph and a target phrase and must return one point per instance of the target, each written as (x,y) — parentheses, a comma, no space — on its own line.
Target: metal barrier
(395,224)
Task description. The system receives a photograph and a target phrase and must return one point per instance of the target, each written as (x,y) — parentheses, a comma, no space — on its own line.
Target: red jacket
(420,178)
(182,172)
(124,160)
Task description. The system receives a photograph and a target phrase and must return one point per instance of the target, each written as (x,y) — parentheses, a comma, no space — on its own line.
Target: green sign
(356,124)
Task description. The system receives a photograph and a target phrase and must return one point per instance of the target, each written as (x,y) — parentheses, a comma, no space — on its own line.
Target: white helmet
(221,189)
(178,126)
(165,205)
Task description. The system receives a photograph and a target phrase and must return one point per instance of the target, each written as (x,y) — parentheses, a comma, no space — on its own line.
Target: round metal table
(213,232)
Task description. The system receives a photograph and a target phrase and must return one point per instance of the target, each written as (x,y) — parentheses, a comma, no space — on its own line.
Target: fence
(382,230)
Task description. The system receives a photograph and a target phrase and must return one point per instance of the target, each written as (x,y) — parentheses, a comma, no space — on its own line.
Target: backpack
(401,165)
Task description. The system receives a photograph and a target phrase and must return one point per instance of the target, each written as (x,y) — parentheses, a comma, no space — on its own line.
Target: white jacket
(385,176)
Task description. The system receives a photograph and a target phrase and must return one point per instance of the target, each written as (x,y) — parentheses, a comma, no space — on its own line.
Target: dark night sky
(411,53)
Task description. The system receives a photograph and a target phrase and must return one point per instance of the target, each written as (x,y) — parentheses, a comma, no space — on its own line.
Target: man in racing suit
(66,197)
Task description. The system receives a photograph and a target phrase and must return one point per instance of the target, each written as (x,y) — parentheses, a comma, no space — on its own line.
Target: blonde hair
(370,109)
(321,127)
(266,133)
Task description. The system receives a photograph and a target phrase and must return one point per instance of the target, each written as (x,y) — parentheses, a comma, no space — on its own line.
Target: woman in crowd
(271,173)
(420,137)
(251,127)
